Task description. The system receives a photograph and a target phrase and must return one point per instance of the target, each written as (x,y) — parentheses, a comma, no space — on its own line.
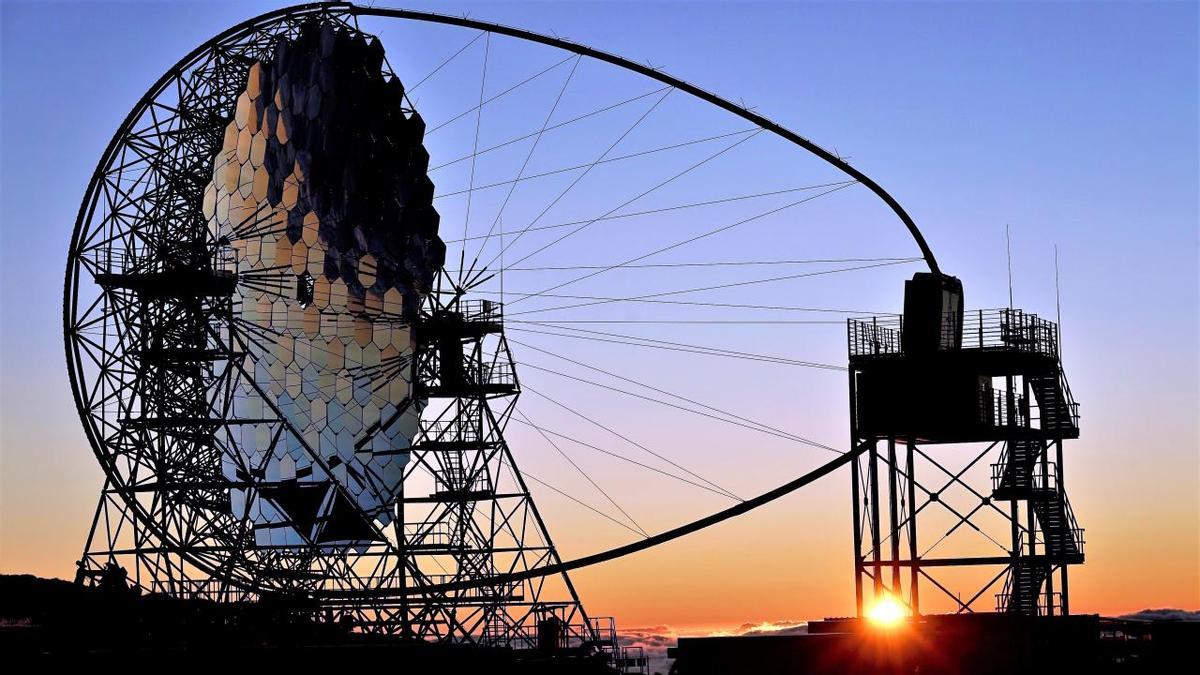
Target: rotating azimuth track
(305,278)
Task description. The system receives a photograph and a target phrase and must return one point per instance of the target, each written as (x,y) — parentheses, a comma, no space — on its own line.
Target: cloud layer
(1165,615)
(654,640)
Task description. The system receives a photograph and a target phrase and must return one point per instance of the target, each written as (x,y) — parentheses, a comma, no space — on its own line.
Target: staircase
(1059,411)
(1062,538)
(453,475)
(1012,477)
(1023,474)
(628,660)
(1020,475)
(1023,589)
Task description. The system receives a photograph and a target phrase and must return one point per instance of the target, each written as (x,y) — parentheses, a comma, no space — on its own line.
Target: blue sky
(1073,123)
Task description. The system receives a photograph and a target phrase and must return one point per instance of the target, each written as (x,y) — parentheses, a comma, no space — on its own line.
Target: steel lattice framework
(167,360)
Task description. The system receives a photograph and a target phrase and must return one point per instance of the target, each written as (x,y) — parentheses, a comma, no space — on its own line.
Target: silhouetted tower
(938,375)
(477,519)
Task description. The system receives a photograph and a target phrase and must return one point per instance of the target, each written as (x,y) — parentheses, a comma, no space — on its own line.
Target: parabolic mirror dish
(320,191)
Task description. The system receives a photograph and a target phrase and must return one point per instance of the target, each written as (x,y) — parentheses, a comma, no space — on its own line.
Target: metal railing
(144,259)
(1043,608)
(1004,597)
(449,431)
(1011,329)
(500,372)
(1040,478)
(997,329)
(632,660)
(995,411)
(604,628)
(503,589)
(501,632)
(488,311)
(116,261)
(1072,524)
(429,534)
(1045,478)
(1069,398)
(456,480)
(876,336)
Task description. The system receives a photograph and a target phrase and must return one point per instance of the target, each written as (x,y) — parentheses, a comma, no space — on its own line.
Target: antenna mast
(1008,251)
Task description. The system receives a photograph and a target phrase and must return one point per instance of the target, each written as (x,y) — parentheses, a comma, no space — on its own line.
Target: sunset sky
(1076,124)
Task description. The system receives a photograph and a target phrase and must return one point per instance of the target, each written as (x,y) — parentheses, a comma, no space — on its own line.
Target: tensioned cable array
(629,549)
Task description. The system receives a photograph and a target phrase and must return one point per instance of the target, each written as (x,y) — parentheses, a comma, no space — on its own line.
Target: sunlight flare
(887,612)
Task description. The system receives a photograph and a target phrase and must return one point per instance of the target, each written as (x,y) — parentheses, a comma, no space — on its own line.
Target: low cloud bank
(654,640)
(1165,615)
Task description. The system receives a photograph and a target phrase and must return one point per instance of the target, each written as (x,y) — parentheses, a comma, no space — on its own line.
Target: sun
(886,612)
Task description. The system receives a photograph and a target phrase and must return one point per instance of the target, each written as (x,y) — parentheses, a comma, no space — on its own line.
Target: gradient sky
(1074,123)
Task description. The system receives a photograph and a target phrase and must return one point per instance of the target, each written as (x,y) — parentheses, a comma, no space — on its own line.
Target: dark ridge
(59,621)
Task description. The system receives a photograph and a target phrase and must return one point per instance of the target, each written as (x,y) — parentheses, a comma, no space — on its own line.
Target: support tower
(466,512)
(984,384)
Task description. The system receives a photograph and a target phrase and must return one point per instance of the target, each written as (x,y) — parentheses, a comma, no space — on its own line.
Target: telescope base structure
(464,515)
